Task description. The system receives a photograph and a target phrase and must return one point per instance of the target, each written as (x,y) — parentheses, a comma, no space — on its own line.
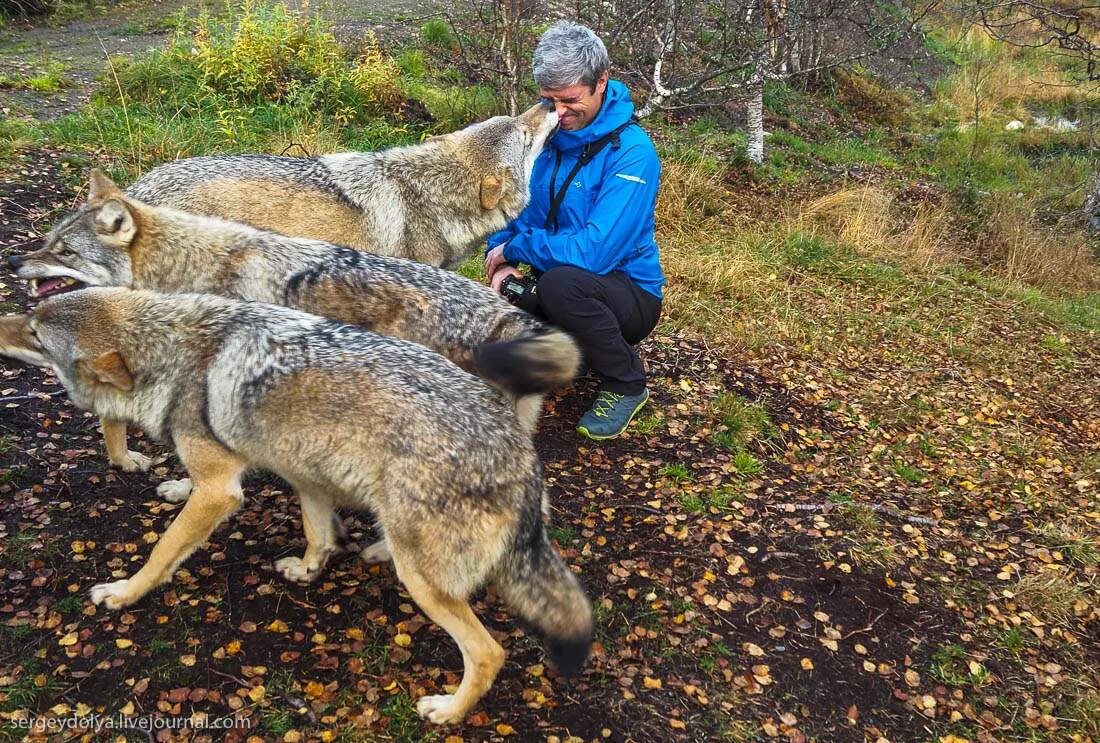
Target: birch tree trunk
(754,114)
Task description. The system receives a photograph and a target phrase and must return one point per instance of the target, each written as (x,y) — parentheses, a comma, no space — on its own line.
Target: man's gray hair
(567,54)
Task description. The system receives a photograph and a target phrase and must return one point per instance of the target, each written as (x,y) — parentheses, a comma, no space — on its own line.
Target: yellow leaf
(232,647)
(187,660)
(122,643)
(315,690)
(150,537)
(402,640)
(67,640)
(536,670)
(807,664)
(256,693)
(355,634)
(685,385)
(127,709)
(678,724)
(78,547)
(504,729)
(752,649)
(278,626)
(651,683)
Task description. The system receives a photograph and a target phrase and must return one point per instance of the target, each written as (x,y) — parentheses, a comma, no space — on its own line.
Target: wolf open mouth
(54,285)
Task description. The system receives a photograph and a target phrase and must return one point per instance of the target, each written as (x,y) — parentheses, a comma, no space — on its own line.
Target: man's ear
(491,192)
(115,224)
(101,187)
(107,368)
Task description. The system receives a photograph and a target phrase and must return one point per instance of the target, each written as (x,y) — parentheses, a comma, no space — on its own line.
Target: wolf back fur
(432,202)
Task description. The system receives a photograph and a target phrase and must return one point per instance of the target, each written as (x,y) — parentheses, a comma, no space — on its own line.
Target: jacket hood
(617,108)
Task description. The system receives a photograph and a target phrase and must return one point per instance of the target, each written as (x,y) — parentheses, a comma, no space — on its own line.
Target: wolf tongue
(50,286)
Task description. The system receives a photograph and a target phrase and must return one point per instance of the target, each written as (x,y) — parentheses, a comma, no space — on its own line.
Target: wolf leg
(322,527)
(175,491)
(482,656)
(217,475)
(114,437)
(377,552)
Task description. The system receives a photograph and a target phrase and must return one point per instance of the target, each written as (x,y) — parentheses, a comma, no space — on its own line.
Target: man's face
(577,104)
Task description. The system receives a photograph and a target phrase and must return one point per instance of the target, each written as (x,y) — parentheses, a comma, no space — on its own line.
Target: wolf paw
(132,461)
(175,491)
(113,595)
(377,552)
(440,709)
(296,570)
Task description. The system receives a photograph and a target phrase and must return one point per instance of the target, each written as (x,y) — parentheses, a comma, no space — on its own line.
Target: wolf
(349,418)
(432,202)
(116,240)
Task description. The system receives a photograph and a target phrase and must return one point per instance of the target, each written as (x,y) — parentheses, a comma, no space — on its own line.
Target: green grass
(691,502)
(676,473)
(71,604)
(404,724)
(563,535)
(25,693)
(741,423)
(50,79)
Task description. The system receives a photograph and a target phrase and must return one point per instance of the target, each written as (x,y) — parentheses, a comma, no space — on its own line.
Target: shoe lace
(605,401)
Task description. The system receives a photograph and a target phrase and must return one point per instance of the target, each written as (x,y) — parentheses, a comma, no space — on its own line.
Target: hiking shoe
(610,414)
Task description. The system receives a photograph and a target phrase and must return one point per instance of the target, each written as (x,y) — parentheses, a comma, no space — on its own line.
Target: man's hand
(498,269)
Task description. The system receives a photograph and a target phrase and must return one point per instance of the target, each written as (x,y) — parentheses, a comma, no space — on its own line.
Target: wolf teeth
(34,287)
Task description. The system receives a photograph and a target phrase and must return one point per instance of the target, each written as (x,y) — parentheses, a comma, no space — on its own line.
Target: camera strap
(593,148)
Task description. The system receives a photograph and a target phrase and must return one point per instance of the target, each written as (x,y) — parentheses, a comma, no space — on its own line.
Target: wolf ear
(490,192)
(115,224)
(107,368)
(100,186)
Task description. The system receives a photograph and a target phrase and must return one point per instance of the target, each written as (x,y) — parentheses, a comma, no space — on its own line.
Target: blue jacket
(605,222)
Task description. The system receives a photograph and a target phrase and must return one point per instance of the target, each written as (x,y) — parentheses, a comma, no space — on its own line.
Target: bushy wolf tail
(529,366)
(534,581)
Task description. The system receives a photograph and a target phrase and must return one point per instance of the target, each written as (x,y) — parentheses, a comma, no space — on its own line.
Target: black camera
(521,291)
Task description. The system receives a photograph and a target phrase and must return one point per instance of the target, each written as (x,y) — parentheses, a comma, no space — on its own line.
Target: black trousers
(606,315)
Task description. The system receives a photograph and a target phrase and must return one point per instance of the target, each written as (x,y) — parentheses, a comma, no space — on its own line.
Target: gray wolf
(349,418)
(433,202)
(116,240)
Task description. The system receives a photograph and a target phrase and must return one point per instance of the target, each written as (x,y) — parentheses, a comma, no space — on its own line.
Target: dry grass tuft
(1050,596)
(870,220)
(1014,247)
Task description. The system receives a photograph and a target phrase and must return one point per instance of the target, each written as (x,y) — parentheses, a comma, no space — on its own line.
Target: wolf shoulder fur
(349,418)
(432,202)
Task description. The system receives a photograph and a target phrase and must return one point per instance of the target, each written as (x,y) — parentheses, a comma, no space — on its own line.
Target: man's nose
(561,109)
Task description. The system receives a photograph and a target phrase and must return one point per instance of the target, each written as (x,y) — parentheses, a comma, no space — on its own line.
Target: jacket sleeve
(498,238)
(614,226)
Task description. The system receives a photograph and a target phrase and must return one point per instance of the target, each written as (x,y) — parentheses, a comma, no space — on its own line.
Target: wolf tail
(537,584)
(529,366)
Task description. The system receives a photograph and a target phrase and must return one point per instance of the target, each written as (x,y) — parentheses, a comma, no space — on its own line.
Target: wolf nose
(15,262)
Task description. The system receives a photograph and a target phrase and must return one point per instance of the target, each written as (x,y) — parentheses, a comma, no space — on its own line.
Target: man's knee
(562,284)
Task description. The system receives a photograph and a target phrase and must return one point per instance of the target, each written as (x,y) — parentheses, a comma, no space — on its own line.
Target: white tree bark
(754,124)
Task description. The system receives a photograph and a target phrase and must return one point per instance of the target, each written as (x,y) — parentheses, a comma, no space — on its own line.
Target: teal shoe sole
(596,437)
